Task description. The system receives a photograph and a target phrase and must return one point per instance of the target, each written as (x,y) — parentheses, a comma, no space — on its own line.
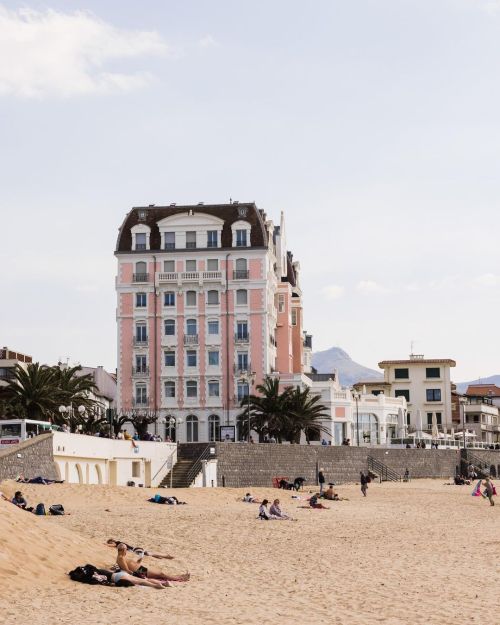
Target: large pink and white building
(206,294)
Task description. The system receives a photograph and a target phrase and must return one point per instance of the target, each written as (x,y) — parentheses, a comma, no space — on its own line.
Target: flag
(477,490)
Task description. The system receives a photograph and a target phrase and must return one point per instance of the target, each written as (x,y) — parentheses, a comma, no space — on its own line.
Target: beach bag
(84,574)
(40,509)
(56,509)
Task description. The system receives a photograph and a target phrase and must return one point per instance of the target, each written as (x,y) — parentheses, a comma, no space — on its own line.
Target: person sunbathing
(170,500)
(122,576)
(314,503)
(111,542)
(137,569)
(248,498)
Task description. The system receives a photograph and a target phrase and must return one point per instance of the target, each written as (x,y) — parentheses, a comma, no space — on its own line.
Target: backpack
(56,509)
(85,575)
(40,509)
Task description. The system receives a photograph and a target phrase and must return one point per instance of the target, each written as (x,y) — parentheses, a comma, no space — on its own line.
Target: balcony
(242,338)
(190,245)
(190,276)
(140,246)
(190,339)
(140,341)
(241,274)
(169,246)
(140,402)
(140,372)
(140,277)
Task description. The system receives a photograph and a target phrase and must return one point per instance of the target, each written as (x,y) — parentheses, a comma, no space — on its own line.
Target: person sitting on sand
(275,511)
(19,501)
(134,567)
(314,503)
(330,494)
(248,498)
(111,542)
(264,513)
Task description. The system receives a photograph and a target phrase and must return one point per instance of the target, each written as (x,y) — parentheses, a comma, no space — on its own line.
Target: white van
(14,431)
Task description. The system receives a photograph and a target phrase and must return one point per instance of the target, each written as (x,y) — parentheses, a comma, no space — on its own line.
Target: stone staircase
(180,472)
(188,455)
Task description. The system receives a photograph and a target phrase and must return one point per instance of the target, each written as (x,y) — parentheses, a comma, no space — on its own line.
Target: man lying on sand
(248,498)
(135,568)
(111,542)
(37,480)
(171,500)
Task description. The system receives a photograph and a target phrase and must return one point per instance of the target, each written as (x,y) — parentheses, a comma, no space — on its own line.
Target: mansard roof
(229,213)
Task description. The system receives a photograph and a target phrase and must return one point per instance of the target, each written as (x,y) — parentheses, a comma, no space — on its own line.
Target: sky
(373,124)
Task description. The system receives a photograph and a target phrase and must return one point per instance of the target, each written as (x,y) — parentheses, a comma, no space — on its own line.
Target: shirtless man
(111,542)
(134,567)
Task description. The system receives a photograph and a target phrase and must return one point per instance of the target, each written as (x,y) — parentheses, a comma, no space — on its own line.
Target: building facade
(8,362)
(426,386)
(208,303)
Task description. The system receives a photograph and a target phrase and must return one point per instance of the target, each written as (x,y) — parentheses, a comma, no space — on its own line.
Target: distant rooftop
(418,359)
(8,354)
(483,390)
(321,377)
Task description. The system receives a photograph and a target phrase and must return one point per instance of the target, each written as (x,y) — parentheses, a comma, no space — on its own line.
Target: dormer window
(141,215)
(241,233)
(140,241)
(169,241)
(140,237)
(212,238)
(190,240)
(241,238)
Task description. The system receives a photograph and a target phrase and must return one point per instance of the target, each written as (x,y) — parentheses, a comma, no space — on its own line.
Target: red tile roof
(483,390)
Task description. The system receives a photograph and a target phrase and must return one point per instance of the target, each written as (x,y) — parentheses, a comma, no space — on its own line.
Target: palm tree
(267,410)
(74,389)
(34,391)
(304,414)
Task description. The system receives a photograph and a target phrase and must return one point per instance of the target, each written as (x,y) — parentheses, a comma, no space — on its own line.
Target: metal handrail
(171,466)
(196,468)
(384,472)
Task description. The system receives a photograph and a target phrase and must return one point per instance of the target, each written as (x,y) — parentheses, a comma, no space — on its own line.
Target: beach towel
(477,490)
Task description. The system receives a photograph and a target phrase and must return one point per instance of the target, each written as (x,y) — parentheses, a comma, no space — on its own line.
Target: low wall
(93,460)
(242,464)
(30,458)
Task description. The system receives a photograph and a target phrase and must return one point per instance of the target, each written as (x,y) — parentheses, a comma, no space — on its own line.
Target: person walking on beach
(364,482)
(321,480)
(488,491)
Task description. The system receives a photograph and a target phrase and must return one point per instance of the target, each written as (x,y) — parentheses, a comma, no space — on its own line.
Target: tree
(140,419)
(267,410)
(304,414)
(34,391)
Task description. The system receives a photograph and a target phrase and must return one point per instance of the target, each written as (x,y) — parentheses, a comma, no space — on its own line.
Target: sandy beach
(409,553)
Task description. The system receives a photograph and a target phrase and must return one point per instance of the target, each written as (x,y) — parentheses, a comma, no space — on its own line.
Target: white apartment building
(425,384)
(363,418)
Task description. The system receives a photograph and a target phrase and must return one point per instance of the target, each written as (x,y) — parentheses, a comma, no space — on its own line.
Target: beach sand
(410,553)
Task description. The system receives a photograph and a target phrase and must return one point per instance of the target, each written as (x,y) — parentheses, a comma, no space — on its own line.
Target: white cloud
(334,291)
(64,54)
(488,280)
(367,287)
(208,42)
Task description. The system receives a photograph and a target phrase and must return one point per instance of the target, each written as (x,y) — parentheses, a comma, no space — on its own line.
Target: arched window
(368,429)
(191,388)
(192,429)
(214,427)
(213,297)
(190,298)
(169,389)
(241,269)
(141,272)
(170,428)
(213,388)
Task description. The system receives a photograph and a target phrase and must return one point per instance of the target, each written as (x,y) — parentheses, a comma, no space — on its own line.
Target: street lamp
(463,401)
(249,378)
(356,397)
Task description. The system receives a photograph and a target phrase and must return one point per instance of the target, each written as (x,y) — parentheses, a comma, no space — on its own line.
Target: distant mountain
(349,371)
(493,379)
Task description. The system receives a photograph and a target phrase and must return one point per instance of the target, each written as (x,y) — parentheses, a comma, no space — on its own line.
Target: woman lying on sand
(121,576)
(135,568)
(248,498)
(111,542)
